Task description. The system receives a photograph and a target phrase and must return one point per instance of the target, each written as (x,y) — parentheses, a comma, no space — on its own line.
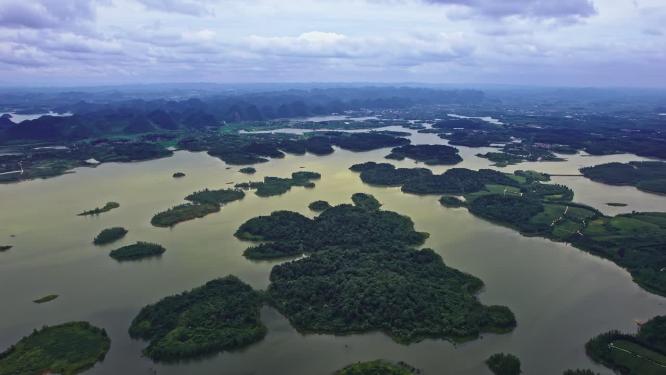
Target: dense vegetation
(429,154)
(218,197)
(5,247)
(319,206)
(109,235)
(248,170)
(648,176)
(178,175)
(46,299)
(66,349)
(96,211)
(139,250)
(378,367)
(182,212)
(363,275)
(504,364)
(276,185)
(579,372)
(643,353)
(221,315)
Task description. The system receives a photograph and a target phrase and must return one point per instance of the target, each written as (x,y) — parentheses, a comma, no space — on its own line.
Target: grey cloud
(526,8)
(189,7)
(44,14)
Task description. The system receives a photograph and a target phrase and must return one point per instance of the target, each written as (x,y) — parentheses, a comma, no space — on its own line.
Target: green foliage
(66,349)
(137,251)
(275,185)
(182,212)
(109,235)
(579,372)
(5,247)
(449,201)
(178,175)
(248,170)
(217,197)
(221,315)
(319,206)
(274,250)
(504,364)
(377,367)
(626,354)
(366,201)
(649,176)
(429,154)
(509,209)
(408,294)
(46,299)
(107,207)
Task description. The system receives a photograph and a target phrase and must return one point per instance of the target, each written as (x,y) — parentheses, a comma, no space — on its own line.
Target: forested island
(46,299)
(68,348)
(276,185)
(504,364)
(203,202)
(178,175)
(319,206)
(429,154)
(248,170)
(633,241)
(221,315)
(643,353)
(649,176)
(96,211)
(378,367)
(348,282)
(5,247)
(139,250)
(109,235)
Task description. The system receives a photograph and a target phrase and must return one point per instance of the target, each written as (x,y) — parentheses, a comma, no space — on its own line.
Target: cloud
(526,8)
(45,13)
(188,7)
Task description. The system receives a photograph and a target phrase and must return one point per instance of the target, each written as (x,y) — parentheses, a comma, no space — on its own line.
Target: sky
(518,42)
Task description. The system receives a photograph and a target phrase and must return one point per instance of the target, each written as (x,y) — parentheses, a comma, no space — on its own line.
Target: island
(429,154)
(5,247)
(533,208)
(616,204)
(357,253)
(276,185)
(182,212)
(649,176)
(96,211)
(46,299)
(139,250)
(204,202)
(68,348)
(580,372)
(178,175)
(319,206)
(504,364)
(221,315)
(248,170)
(109,235)
(643,353)
(378,367)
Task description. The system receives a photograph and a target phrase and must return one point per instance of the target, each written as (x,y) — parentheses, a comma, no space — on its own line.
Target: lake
(561,296)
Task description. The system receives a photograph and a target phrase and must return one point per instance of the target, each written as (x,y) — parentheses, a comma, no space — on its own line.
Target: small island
(616,204)
(139,250)
(68,348)
(428,154)
(218,197)
(109,235)
(221,315)
(5,247)
(248,170)
(379,367)
(178,175)
(182,212)
(451,201)
(649,176)
(46,299)
(276,185)
(319,206)
(504,364)
(642,353)
(580,372)
(96,211)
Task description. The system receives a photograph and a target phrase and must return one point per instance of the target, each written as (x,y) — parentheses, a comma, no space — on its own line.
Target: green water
(561,296)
